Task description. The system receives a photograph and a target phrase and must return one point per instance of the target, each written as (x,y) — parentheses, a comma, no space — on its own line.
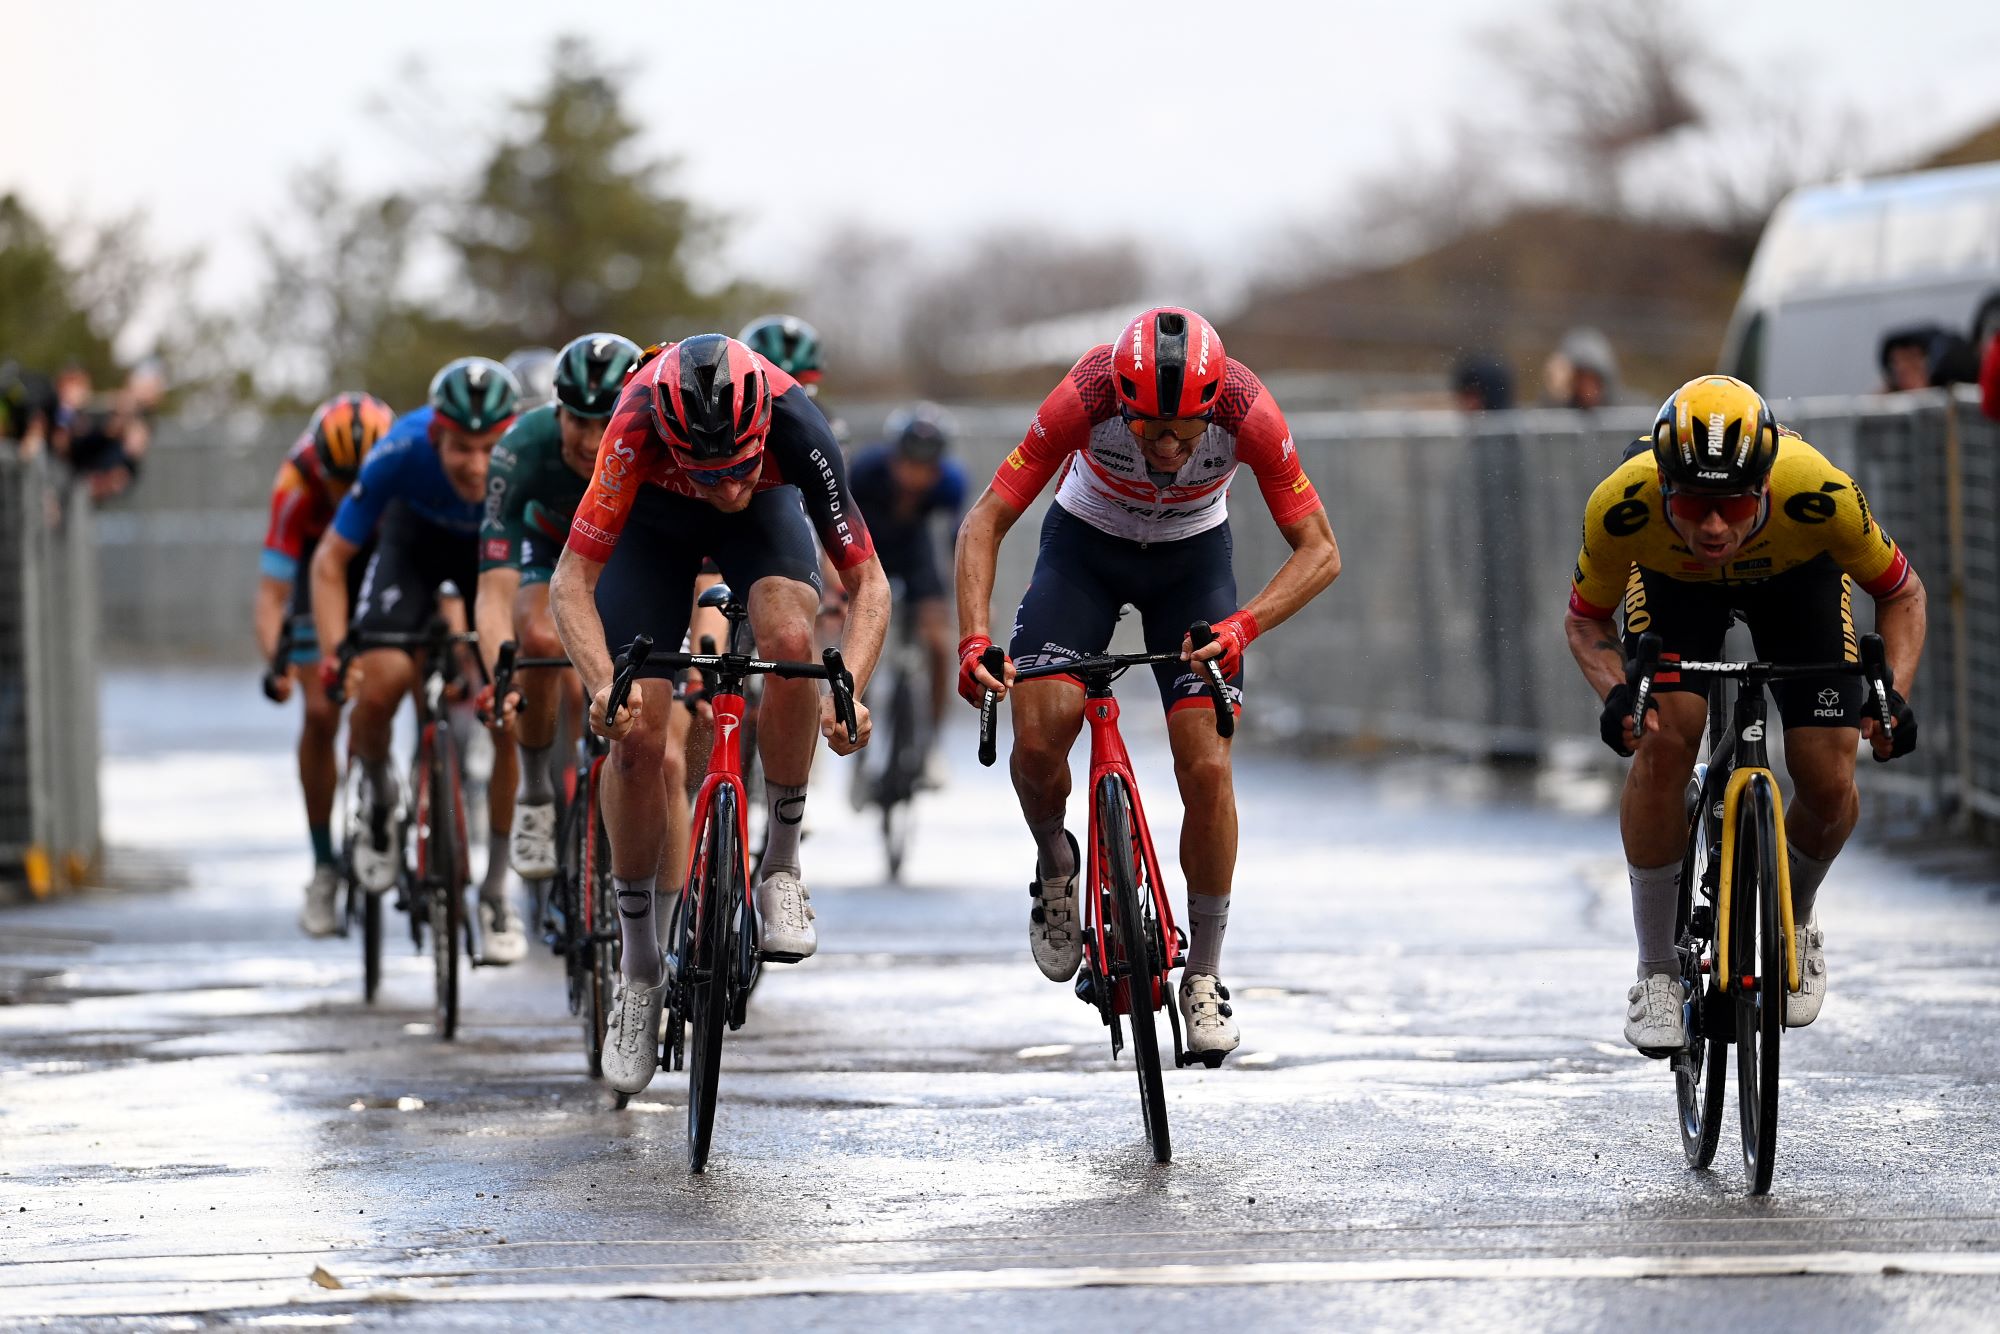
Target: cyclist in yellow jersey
(1729,512)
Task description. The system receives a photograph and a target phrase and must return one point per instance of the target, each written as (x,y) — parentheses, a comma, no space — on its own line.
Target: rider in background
(540,471)
(534,369)
(1146,434)
(311,482)
(1728,511)
(420,496)
(904,484)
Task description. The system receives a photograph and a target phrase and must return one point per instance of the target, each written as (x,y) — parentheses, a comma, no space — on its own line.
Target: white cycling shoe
(632,1036)
(785,915)
(503,937)
(319,916)
(1055,932)
(1207,1018)
(1654,1022)
(377,867)
(531,848)
(1802,1006)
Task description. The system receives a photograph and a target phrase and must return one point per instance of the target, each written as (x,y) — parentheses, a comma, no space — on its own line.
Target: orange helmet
(345,428)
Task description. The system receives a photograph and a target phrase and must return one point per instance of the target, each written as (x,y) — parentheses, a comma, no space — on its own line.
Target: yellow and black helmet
(1715,433)
(345,428)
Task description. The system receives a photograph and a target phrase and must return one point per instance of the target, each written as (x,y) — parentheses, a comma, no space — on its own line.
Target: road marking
(182,1299)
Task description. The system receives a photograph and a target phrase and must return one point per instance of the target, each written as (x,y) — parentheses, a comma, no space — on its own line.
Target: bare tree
(1602,78)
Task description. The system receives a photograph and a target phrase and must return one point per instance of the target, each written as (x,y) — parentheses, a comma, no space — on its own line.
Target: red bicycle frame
(725,767)
(1108,758)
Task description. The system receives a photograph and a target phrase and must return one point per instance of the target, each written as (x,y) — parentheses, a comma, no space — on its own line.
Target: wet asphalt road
(1432,1119)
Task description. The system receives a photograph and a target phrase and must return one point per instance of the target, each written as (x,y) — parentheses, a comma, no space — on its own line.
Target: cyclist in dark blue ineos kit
(421,495)
(913,493)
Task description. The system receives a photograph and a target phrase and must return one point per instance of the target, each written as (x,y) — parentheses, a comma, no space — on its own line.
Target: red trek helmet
(711,401)
(1168,363)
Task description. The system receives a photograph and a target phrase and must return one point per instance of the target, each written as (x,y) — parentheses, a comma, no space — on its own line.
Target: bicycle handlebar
(1873,668)
(434,639)
(830,668)
(1107,665)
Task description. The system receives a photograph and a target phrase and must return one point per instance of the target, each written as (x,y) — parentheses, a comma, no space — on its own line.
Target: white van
(1840,265)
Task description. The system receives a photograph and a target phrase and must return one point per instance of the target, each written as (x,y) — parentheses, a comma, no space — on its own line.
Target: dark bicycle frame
(435,648)
(1725,992)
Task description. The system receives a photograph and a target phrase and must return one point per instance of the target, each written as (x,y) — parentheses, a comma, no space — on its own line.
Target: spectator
(1481,382)
(1926,356)
(1986,345)
(1582,373)
(27,405)
(105,437)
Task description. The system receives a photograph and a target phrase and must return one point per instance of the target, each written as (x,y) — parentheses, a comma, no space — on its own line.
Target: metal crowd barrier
(48,678)
(1459,534)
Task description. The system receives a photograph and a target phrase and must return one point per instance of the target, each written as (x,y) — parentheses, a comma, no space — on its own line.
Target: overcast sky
(1208,126)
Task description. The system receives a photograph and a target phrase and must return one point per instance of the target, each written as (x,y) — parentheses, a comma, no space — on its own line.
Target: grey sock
(1807,873)
(1655,897)
(1208,918)
(1053,857)
(788,814)
(494,887)
(638,937)
(538,774)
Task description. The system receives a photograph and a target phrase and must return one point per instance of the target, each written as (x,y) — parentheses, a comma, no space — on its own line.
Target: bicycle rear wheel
(721,902)
(1700,1069)
(1136,939)
(1757,957)
(370,911)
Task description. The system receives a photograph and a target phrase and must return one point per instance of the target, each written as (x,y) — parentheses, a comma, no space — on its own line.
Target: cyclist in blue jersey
(905,484)
(421,496)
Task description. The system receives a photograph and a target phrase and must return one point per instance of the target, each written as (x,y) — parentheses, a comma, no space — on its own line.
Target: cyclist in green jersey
(540,471)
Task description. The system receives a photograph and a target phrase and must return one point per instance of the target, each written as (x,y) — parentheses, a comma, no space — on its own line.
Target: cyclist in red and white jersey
(1145,435)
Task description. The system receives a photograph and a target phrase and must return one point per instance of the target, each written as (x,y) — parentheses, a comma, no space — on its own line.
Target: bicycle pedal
(1661,1053)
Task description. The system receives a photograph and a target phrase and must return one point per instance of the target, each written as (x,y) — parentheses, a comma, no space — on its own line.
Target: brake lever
(1201,635)
(842,683)
(629,662)
(1639,673)
(1881,680)
(994,660)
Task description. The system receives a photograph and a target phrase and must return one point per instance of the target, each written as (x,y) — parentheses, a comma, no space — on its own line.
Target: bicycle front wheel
(1700,1069)
(1136,941)
(594,931)
(1757,962)
(443,869)
(720,902)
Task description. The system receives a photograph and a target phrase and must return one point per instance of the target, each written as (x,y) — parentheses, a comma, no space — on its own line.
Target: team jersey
(799,451)
(890,518)
(404,466)
(531,494)
(1811,509)
(1105,480)
(301,509)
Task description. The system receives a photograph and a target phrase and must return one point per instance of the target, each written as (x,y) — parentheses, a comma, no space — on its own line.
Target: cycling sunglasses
(717,476)
(1150,429)
(1693,507)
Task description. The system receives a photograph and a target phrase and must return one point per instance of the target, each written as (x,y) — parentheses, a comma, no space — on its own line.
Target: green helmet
(477,393)
(788,343)
(591,370)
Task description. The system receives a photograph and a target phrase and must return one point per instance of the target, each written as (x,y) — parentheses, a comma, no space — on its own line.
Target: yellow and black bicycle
(1737,947)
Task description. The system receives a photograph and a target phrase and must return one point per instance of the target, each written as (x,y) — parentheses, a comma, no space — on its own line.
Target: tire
(721,902)
(896,786)
(1757,942)
(1136,940)
(1700,1070)
(596,956)
(442,867)
(371,943)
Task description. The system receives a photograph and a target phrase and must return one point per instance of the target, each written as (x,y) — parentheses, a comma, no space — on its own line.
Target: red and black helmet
(711,400)
(1168,363)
